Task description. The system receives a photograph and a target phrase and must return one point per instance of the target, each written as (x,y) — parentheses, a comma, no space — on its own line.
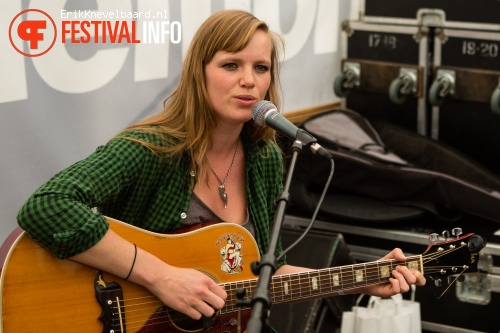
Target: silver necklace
(222,186)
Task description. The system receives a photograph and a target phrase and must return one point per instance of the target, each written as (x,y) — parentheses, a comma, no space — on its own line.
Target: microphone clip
(305,138)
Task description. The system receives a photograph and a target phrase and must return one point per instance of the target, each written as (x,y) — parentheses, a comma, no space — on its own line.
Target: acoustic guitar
(41,293)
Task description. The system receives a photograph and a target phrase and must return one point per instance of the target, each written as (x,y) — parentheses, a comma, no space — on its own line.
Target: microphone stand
(261,303)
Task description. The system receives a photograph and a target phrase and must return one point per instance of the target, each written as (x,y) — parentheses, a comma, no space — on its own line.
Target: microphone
(266,113)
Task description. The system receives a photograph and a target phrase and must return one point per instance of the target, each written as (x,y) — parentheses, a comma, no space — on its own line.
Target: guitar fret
(335,279)
(347,277)
(251,286)
(288,287)
(284,288)
(299,284)
(325,283)
(274,288)
(359,275)
(302,285)
(321,282)
(231,289)
(384,270)
(230,301)
(247,286)
(413,263)
(276,285)
(306,286)
(372,273)
(314,283)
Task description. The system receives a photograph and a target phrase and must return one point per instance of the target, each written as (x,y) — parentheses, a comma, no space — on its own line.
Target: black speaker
(317,250)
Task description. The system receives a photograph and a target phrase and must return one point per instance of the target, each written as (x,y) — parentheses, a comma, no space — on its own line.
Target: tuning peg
(433,238)
(456,232)
(446,234)
(438,282)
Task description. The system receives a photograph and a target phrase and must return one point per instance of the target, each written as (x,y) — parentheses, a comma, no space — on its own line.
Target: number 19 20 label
(480,48)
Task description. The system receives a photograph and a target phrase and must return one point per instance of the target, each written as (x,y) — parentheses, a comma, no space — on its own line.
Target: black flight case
(433,67)
(379,61)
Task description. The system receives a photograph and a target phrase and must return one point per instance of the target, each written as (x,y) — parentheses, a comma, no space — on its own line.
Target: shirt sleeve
(59,214)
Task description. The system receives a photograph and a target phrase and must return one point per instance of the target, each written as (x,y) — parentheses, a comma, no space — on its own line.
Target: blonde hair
(188,118)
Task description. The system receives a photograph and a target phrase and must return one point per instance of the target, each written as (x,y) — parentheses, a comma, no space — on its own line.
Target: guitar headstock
(453,256)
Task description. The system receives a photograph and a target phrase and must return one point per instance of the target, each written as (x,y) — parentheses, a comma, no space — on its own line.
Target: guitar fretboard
(321,283)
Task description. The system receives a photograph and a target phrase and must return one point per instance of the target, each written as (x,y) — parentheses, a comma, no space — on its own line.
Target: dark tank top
(198,212)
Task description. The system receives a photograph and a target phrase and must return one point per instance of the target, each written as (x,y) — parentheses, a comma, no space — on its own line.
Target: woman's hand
(401,280)
(189,291)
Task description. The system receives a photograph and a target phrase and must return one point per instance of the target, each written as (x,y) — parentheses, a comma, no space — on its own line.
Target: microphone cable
(313,219)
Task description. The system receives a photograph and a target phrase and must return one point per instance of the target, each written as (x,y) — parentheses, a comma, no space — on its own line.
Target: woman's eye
(261,68)
(230,65)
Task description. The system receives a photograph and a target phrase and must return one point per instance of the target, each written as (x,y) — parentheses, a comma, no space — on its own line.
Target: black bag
(382,162)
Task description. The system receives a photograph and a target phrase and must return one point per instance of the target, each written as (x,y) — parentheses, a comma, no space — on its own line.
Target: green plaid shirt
(126,181)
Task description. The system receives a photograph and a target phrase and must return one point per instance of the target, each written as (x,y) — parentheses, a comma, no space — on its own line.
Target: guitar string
(365,281)
(349,281)
(155,308)
(254,281)
(168,320)
(345,274)
(165,318)
(345,271)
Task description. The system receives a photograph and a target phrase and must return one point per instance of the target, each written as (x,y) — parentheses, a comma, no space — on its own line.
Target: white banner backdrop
(56,108)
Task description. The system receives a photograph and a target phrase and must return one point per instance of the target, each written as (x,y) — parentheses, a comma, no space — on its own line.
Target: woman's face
(237,81)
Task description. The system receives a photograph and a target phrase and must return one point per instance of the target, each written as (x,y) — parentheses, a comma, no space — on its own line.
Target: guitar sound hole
(186,323)
(183,322)
(163,319)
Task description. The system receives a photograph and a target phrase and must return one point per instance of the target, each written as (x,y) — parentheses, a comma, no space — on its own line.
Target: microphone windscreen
(260,110)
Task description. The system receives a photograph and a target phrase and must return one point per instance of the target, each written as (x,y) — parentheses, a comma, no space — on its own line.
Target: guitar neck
(321,283)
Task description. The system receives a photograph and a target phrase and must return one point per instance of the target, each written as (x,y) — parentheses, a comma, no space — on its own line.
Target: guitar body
(41,293)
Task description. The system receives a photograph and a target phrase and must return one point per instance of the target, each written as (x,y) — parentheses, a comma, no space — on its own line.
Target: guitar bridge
(110,297)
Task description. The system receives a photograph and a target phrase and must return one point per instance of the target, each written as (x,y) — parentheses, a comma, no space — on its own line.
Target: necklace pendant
(223,194)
